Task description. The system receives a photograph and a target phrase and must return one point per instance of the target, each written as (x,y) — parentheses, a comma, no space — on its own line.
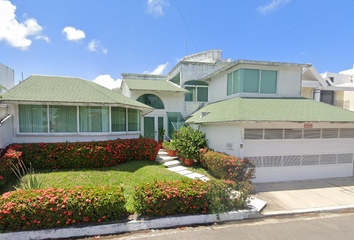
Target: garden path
(173,164)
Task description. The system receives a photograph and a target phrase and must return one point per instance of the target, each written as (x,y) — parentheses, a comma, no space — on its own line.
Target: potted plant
(170,147)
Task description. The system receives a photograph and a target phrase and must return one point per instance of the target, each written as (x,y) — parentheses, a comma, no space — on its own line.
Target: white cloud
(107,81)
(156,7)
(45,38)
(158,70)
(14,33)
(73,34)
(271,6)
(95,45)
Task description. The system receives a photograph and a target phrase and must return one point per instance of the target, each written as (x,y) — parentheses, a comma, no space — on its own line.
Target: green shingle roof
(270,110)
(153,85)
(38,88)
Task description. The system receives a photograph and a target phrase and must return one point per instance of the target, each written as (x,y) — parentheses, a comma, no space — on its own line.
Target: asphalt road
(324,226)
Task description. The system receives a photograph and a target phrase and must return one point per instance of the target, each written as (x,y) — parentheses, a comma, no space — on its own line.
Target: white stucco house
(59,109)
(246,108)
(250,109)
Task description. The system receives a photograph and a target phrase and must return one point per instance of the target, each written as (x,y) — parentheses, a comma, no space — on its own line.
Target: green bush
(50,208)
(187,197)
(227,167)
(189,141)
(77,155)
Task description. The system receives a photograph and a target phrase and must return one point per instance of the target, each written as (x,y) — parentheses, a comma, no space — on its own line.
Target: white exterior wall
(61,137)
(289,83)
(6,77)
(338,78)
(218,135)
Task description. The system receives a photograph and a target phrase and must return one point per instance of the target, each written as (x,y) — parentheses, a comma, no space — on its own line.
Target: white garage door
(301,167)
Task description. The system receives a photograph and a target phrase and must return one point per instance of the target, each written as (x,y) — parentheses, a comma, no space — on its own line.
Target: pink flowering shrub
(50,208)
(69,155)
(227,167)
(186,196)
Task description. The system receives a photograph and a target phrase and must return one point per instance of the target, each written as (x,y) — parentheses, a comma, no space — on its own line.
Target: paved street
(329,226)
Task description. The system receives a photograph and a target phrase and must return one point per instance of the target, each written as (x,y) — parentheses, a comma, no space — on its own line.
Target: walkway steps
(173,164)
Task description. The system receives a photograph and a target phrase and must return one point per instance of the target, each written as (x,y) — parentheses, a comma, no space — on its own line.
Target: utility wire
(185,23)
(300,25)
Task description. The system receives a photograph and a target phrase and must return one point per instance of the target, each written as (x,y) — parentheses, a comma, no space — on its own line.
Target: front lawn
(128,175)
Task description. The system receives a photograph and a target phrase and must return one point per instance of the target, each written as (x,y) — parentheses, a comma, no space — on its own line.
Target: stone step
(172,163)
(177,169)
(165,158)
(164,152)
(185,172)
(194,175)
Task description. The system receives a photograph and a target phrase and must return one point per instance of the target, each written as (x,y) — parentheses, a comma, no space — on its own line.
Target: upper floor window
(151,100)
(198,91)
(252,81)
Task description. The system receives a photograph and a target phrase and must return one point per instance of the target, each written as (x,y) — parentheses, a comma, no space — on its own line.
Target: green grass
(128,175)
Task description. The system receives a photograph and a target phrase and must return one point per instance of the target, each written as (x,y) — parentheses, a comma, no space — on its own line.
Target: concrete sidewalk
(309,194)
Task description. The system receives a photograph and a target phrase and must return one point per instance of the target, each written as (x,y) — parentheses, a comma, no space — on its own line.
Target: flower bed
(50,208)
(77,155)
(187,197)
(227,167)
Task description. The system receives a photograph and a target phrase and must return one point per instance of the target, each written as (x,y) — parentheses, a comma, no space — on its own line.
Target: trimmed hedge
(227,167)
(50,208)
(69,155)
(187,196)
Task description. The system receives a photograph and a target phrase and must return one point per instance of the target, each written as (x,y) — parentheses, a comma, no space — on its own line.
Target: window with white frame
(246,80)
(74,119)
(198,91)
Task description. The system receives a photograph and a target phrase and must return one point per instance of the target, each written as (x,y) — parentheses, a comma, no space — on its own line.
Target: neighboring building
(253,109)
(336,89)
(58,109)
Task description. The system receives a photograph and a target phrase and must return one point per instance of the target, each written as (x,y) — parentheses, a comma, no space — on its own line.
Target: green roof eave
(153,86)
(39,89)
(270,110)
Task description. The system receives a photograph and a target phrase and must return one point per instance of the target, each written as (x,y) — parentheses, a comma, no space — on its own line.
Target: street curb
(132,225)
(307,210)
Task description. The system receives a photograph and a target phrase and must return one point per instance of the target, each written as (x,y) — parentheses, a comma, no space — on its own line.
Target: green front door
(149,127)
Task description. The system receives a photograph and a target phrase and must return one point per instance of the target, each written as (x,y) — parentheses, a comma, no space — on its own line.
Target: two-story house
(250,109)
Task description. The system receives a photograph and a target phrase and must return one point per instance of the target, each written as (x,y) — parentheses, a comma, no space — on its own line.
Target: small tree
(189,141)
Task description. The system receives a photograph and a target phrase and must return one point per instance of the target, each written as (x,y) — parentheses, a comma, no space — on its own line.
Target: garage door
(301,167)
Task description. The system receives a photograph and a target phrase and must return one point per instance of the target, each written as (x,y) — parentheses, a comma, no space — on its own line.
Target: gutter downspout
(2,121)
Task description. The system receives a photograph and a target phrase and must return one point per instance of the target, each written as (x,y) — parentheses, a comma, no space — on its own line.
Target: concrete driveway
(287,196)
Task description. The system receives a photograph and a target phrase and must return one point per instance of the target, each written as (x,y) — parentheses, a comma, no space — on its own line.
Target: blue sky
(102,39)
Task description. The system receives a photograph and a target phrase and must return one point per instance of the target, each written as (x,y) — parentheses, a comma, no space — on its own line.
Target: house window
(82,119)
(327,97)
(133,120)
(198,91)
(33,118)
(118,119)
(94,119)
(151,100)
(62,119)
(252,81)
